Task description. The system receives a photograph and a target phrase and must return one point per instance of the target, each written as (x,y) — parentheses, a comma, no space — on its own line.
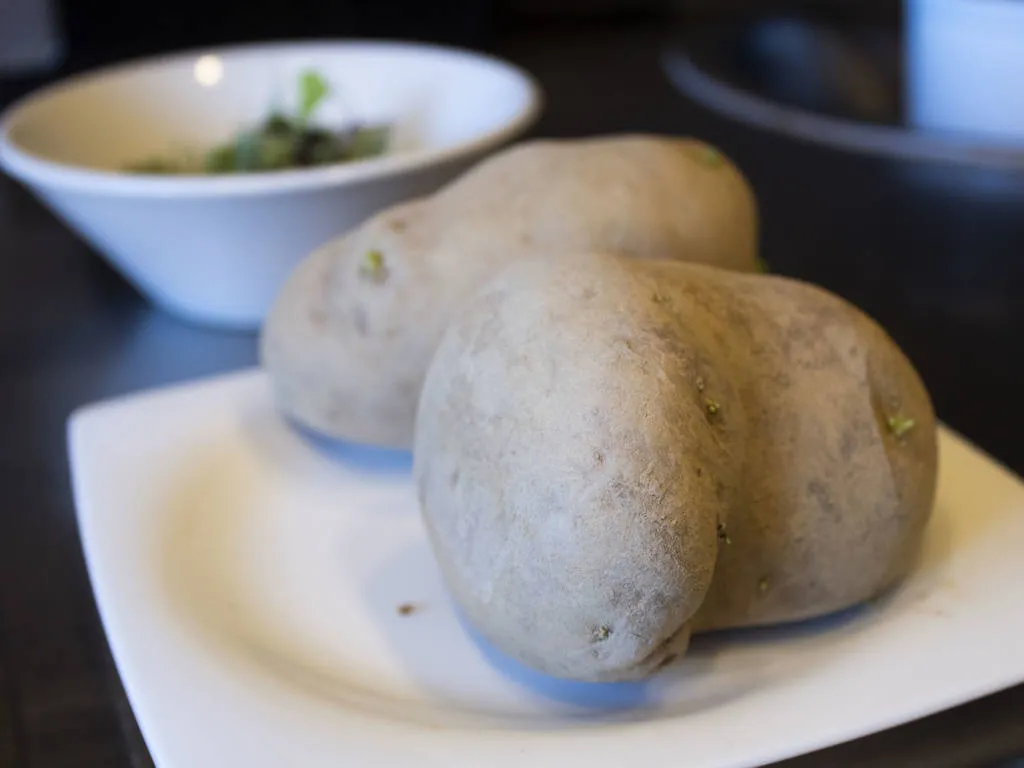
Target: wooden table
(935,253)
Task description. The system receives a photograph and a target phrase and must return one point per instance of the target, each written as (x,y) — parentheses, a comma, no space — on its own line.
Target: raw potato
(350,337)
(611,454)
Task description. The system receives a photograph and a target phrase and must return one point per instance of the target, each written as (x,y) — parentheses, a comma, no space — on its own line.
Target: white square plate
(271,602)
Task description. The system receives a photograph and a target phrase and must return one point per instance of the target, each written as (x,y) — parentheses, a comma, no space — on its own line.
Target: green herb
(712,407)
(247,152)
(601,634)
(221,160)
(900,426)
(313,89)
(368,142)
(281,142)
(277,124)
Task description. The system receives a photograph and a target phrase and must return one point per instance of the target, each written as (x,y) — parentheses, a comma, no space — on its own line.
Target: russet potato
(613,453)
(348,341)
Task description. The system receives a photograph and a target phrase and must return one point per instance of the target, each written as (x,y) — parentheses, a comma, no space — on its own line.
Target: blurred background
(867,60)
(37,34)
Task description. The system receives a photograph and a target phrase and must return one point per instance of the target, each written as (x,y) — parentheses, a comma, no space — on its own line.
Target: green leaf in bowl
(312,90)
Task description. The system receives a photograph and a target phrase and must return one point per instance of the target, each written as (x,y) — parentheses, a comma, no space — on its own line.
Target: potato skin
(347,346)
(834,503)
(611,454)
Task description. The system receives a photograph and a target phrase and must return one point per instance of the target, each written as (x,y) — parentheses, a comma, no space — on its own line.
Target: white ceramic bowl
(216,249)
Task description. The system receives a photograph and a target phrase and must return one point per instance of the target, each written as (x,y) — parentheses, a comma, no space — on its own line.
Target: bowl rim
(34,169)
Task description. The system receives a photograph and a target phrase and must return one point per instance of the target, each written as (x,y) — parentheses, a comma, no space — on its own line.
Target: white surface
(964,60)
(215,249)
(249,583)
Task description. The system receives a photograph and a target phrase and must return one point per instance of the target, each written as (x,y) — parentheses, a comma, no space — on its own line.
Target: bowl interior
(433,98)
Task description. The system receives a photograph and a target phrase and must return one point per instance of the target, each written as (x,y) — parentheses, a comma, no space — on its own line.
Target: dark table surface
(932,251)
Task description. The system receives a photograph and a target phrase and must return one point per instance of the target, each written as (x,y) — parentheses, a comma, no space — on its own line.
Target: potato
(613,453)
(349,339)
